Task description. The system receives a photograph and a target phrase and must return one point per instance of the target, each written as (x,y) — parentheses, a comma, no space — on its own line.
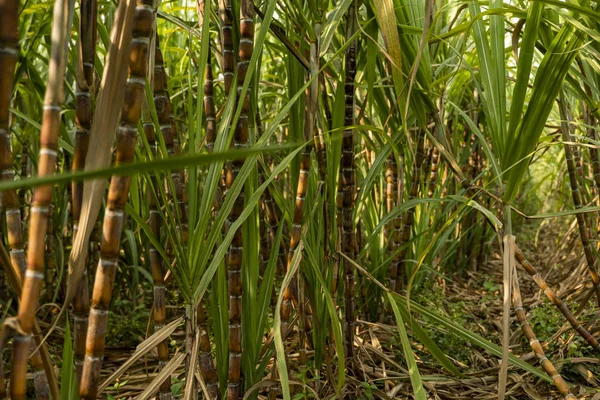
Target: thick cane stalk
(209,105)
(233,260)
(49,258)
(225,15)
(83,110)
(207,366)
(83,119)
(562,307)
(117,198)
(9,54)
(163,112)
(304,309)
(536,346)
(288,294)
(347,188)
(156,268)
(42,198)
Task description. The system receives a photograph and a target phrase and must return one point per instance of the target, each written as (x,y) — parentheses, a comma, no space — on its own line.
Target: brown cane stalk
(42,199)
(83,120)
(536,346)
(117,198)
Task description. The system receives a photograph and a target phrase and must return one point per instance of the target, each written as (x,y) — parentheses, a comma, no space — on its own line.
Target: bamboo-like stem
(209,105)
(347,188)
(394,227)
(117,198)
(226,17)
(42,198)
(162,101)
(297,222)
(304,313)
(168,130)
(83,119)
(154,257)
(228,66)
(391,178)
(81,309)
(83,110)
(433,172)
(393,197)
(590,256)
(159,309)
(233,260)
(49,259)
(562,307)
(163,112)
(271,220)
(207,365)
(24,194)
(9,53)
(558,380)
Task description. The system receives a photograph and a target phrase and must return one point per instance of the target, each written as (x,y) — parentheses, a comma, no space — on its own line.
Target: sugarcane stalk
(590,256)
(289,297)
(23,193)
(346,197)
(433,172)
(395,188)
(83,120)
(49,255)
(233,259)
(536,346)
(163,112)
(395,225)
(209,105)
(42,197)
(556,300)
(9,54)
(156,268)
(207,366)
(40,381)
(117,198)
(271,221)
(226,16)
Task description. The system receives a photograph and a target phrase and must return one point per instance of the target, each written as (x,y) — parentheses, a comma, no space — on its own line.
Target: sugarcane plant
(291,184)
